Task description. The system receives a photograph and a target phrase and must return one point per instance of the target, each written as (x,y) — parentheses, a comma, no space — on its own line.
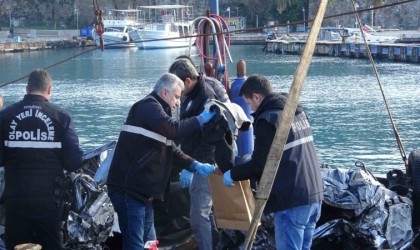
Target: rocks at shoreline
(40,45)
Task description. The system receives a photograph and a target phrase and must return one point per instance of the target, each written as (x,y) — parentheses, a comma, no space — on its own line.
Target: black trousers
(21,228)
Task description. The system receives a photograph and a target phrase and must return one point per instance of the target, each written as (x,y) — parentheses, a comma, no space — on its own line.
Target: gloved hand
(185,178)
(202,169)
(205,117)
(227,179)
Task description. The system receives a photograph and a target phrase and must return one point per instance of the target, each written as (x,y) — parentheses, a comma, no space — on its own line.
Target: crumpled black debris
(367,214)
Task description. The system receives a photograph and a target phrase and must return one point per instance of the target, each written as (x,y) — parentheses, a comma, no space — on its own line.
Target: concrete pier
(383,51)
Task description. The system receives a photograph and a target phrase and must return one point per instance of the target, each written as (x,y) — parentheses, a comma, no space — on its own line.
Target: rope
(99,25)
(375,70)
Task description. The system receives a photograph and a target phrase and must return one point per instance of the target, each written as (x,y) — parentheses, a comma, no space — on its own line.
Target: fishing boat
(117,26)
(164,26)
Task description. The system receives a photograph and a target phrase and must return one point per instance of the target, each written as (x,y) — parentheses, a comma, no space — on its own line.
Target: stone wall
(405,16)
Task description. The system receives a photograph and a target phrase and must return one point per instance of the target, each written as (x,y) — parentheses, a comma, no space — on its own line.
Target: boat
(330,35)
(117,25)
(164,26)
(355,36)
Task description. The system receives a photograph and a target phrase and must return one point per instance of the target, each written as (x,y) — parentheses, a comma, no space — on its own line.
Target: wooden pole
(280,138)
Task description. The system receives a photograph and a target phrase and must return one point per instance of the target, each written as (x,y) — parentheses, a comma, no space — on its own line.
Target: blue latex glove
(227,179)
(185,178)
(202,169)
(205,117)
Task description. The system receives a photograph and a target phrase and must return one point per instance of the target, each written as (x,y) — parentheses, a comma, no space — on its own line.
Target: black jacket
(141,165)
(193,105)
(37,141)
(298,181)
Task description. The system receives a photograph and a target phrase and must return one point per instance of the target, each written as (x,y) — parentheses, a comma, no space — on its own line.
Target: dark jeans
(135,218)
(22,229)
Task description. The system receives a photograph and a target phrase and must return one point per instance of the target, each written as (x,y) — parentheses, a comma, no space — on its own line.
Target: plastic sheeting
(367,214)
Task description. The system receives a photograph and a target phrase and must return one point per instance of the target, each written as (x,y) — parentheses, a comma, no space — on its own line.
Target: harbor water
(341,96)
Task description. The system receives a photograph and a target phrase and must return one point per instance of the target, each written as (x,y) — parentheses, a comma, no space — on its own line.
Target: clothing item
(298,181)
(196,147)
(145,151)
(201,219)
(185,178)
(142,163)
(193,105)
(222,130)
(227,180)
(294,227)
(217,87)
(37,143)
(20,229)
(135,218)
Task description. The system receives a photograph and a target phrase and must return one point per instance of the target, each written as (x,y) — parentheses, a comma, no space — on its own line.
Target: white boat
(164,26)
(355,36)
(117,25)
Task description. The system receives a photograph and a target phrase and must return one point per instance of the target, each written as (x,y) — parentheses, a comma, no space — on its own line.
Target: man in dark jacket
(196,93)
(143,157)
(37,141)
(296,194)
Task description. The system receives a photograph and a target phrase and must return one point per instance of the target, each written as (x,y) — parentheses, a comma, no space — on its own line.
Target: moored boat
(164,26)
(118,24)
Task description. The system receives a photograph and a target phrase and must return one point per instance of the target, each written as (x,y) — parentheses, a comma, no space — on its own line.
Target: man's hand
(185,178)
(203,169)
(205,117)
(227,179)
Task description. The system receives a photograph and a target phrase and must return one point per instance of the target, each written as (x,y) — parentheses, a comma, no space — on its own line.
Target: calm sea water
(341,96)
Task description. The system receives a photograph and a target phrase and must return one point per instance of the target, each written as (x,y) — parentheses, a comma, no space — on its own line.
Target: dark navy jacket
(298,181)
(193,105)
(142,165)
(37,141)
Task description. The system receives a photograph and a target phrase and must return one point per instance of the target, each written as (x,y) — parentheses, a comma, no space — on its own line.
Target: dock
(401,52)
(13,47)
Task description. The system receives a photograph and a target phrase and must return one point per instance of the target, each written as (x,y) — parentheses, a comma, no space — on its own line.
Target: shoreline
(14,47)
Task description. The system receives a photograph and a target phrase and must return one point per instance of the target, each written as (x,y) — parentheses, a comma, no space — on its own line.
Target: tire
(414,173)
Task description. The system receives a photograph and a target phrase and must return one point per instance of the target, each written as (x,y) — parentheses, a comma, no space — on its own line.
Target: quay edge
(383,51)
(12,47)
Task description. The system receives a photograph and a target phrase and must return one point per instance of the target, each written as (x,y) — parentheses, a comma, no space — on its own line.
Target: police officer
(296,195)
(37,142)
(143,159)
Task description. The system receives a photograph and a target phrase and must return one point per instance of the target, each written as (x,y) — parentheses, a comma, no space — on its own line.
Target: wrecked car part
(91,216)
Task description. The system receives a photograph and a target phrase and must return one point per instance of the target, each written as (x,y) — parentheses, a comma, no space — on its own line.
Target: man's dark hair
(39,80)
(257,84)
(183,68)
(185,57)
